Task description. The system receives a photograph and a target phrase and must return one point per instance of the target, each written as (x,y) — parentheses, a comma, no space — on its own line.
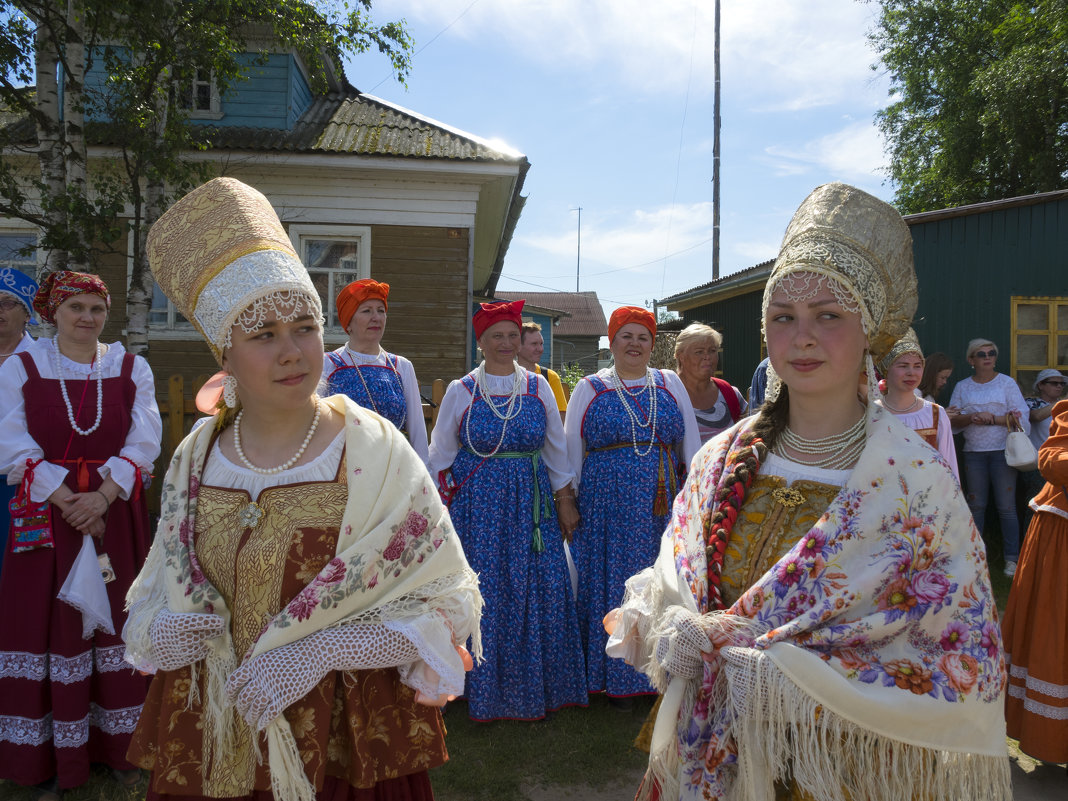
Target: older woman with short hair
(985,400)
(716,404)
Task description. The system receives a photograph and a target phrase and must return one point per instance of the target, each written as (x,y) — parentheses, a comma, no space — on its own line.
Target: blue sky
(611,101)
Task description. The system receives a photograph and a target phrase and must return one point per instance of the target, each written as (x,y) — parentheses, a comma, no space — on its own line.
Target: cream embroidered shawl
(398,559)
(866,662)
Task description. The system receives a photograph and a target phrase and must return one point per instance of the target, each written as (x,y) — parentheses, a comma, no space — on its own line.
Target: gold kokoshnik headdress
(909,343)
(222,257)
(860,248)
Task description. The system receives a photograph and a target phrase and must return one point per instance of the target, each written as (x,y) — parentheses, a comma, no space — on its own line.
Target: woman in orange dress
(1036,620)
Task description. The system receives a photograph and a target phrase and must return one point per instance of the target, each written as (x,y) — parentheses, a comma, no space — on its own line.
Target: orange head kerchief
(491,313)
(350,298)
(630,314)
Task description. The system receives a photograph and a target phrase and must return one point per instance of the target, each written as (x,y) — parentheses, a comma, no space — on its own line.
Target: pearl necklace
(269,471)
(367,389)
(512,407)
(97,369)
(906,410)
(635,422)
(839,450)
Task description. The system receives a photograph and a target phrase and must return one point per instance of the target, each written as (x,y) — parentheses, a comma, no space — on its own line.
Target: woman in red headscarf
(382,382)
(631,432)
(79,433)
(498,454)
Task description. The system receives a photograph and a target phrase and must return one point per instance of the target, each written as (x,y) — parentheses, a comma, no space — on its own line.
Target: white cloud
(635,242)
(854,152)
(778,54)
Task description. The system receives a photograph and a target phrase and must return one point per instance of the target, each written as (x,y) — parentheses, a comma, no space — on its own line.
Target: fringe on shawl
(145,599)
(781,733)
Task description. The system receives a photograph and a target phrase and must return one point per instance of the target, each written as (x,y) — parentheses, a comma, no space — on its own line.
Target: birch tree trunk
(49,142)
(74,118)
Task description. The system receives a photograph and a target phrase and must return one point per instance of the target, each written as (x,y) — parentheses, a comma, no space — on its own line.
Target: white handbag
(1020,453)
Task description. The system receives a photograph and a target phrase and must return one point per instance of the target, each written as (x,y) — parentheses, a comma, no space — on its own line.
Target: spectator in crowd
(937,368)
(498,454)
(382,382)
(716,404)
(1047,390)
(306,600)
(985,400)
(758,386)
(17,291)
(818,617)
(631,433)
(79,433)
(531,348)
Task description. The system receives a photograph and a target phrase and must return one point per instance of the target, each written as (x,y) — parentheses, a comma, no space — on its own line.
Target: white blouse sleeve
(945,439)
(414,403)
(142,446)
(581,397)
(16,444)
(554,451)
(691,436)
(445,439)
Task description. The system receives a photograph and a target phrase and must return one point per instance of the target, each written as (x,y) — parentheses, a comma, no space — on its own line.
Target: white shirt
(445,442)
(997,396)
(412,400)
(923,417)
(583,395)
(142,444)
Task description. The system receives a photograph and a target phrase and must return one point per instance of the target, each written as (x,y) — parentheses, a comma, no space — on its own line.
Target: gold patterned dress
(362,728)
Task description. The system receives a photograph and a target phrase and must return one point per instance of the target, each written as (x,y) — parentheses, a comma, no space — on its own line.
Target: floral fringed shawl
(398,559)
(866,663)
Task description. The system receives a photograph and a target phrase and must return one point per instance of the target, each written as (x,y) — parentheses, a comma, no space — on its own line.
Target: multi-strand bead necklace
(508,409)
(636,422)
(836,452)
(97,368)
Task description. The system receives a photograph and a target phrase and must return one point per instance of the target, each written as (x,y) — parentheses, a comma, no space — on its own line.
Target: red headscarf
(63,284)
(350,298)
(630,314)
(491,313)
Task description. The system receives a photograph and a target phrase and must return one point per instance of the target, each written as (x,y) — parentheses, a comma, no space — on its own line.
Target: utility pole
(578,248)
(715,153)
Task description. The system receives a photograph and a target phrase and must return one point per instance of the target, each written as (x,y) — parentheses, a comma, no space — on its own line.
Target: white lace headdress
(222,257)
(858,247)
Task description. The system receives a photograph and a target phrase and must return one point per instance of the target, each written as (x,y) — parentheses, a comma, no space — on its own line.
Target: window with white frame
(335,255)
(200,96)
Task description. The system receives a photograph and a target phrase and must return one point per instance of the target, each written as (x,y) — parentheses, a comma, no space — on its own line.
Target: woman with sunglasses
(1048,388)
(985,401)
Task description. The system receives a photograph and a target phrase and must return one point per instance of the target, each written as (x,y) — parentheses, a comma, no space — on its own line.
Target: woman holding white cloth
(820,615)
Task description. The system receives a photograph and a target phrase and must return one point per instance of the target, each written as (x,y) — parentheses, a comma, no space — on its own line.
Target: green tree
(979,93)
(149,52)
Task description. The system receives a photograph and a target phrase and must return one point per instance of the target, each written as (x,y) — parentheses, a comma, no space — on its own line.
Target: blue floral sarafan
(620,531)
(382,382)
(503,512)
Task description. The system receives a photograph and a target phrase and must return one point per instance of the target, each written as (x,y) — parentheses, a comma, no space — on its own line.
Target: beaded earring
(229,385)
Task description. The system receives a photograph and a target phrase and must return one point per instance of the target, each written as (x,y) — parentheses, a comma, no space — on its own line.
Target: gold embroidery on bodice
(770,522)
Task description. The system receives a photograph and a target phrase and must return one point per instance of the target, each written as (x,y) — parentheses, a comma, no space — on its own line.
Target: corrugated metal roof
(587,317)
(354,123)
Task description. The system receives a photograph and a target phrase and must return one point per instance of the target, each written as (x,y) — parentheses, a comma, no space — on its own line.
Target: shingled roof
(351,122)
(587,317)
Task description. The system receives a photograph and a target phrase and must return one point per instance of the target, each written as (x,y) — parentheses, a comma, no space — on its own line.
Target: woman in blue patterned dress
(631,433)
(498,454)
(382,382)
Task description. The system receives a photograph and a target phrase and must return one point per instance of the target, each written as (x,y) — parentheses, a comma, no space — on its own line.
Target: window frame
(9,227)
(214,110)
(361,234)
(1051,332)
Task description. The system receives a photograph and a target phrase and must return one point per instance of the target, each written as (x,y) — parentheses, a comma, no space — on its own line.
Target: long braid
(729,500)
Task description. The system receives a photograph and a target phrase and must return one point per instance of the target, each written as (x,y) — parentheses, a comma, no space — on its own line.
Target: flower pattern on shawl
(890,588)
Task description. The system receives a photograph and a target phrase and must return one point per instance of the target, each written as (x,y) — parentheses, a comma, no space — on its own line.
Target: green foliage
(571,374)
(979,94)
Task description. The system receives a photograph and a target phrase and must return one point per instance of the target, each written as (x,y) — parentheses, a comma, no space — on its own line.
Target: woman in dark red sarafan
(79,432)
